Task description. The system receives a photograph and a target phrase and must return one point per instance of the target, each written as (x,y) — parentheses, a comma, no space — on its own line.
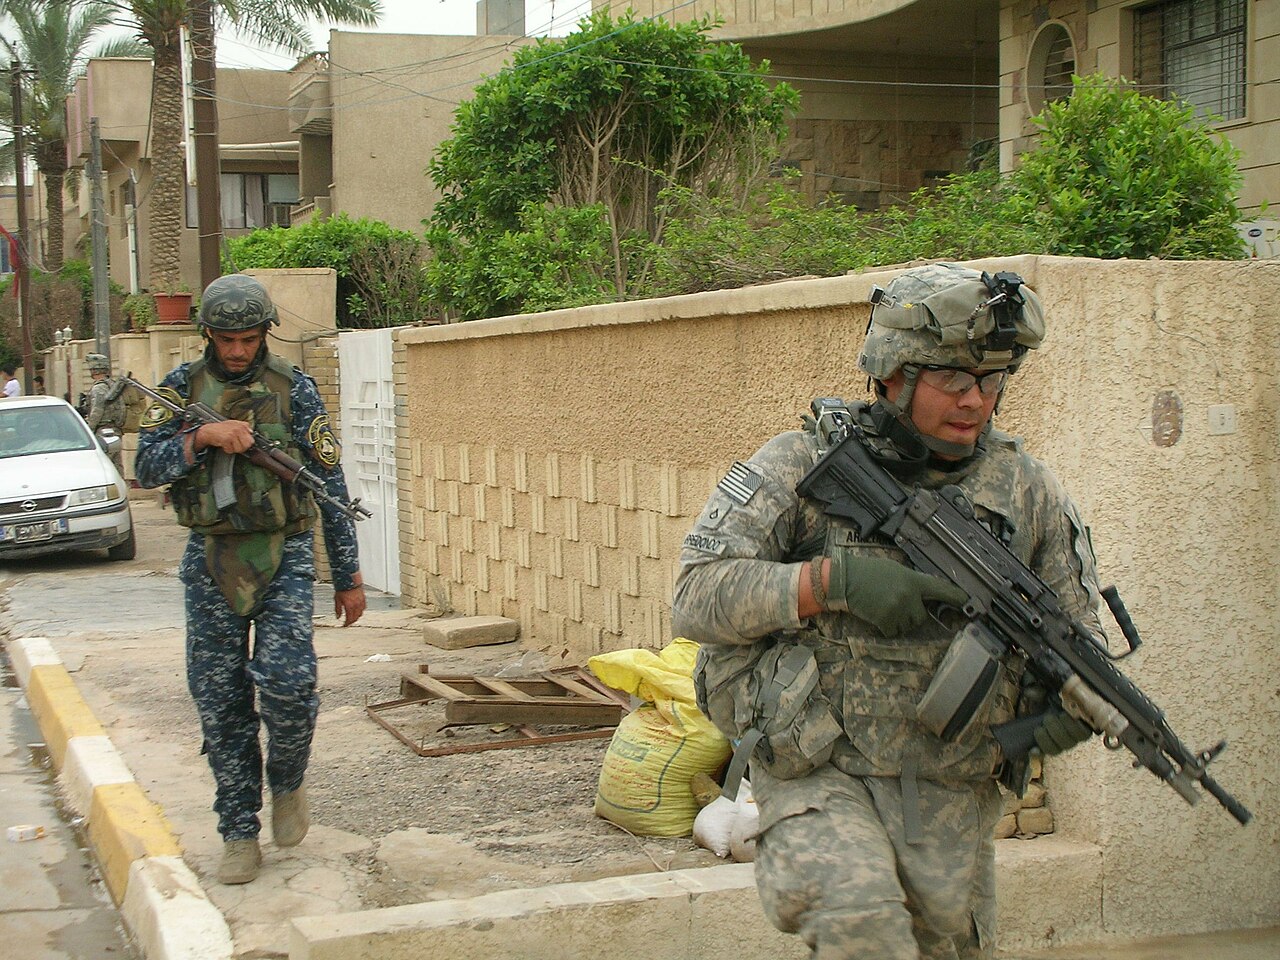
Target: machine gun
(1011,611)
(264,453)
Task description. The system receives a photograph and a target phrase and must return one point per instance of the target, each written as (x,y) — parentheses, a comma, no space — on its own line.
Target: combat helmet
(234,303)
(97,362)
(946,315)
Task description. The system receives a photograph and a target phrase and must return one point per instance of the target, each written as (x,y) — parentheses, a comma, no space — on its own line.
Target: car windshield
(51,429)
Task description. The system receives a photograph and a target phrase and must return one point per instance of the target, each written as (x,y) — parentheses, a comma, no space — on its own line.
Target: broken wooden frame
(567,696)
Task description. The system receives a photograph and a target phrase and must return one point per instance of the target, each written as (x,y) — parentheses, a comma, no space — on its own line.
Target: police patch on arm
(157,413)
(323,443)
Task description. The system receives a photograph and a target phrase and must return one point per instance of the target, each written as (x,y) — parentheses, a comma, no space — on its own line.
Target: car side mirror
(109,441)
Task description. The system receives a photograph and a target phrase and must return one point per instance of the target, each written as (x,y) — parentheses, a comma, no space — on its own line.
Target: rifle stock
(940,535)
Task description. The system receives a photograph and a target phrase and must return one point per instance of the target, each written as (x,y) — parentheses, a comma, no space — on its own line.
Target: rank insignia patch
(740,483)
(158,413)
(323,443)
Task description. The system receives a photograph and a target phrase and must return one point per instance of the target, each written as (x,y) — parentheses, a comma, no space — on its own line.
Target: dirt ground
(398,827)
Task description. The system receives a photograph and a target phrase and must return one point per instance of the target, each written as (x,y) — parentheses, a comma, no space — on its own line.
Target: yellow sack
(657,749)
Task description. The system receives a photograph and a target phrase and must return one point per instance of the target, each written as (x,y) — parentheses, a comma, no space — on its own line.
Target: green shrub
(1119,174)
(380,278)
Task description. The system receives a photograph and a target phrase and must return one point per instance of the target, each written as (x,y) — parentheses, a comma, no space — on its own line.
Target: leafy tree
(1119,174)
(51,40)
(593,125)
(159,22)
(380,275)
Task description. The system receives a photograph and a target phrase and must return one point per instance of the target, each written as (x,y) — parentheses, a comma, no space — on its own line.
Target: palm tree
(51,39)
(159,24)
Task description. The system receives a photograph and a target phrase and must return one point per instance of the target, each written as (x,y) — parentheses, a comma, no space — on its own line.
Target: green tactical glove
(888,595)
(1059,731)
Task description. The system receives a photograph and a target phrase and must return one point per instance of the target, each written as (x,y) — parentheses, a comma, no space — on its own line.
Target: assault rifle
(1010,611)
(264,453)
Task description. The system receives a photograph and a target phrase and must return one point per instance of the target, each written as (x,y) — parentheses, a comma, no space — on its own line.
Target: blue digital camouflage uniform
(885,850)
(224,676)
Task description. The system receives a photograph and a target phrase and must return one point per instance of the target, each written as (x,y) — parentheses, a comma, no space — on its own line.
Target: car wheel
(124,551)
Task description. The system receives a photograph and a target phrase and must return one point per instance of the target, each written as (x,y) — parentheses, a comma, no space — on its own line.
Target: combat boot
(241,860)
(290,817)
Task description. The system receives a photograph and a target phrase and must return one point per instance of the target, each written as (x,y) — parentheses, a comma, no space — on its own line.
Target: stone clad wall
(552,463)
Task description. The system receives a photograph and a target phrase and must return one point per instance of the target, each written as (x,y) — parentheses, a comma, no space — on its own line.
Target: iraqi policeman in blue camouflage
(875,834)
(250,561)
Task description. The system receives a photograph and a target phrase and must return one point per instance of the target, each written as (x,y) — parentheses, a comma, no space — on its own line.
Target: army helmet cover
(236,302)
(97,363)
(943,314)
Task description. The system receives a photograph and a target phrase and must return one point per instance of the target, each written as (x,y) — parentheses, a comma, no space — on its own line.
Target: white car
(59,489)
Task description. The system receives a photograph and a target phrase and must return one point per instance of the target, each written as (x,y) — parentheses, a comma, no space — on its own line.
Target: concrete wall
(872,143)
(1102,33)
(551,464)
(387,124)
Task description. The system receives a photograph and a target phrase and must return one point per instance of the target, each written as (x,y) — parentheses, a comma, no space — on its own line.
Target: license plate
(34,532)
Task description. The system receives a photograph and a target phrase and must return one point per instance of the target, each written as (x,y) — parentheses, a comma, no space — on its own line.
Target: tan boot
(290,817)
(241,860)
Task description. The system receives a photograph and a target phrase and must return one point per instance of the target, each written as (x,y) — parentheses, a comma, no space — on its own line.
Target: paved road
(53,905)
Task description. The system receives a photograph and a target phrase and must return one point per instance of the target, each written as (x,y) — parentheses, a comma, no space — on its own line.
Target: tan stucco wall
(553,462)
(1102,33)
(305,302)
(387,123)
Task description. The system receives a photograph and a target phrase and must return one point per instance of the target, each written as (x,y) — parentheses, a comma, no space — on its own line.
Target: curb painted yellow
(123,826)
(60,710)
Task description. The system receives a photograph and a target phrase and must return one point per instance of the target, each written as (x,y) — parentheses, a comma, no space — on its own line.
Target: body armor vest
(263,502)
(875,683)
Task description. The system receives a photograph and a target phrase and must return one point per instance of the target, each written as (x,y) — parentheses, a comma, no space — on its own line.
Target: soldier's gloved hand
(1059,731)
(888,595)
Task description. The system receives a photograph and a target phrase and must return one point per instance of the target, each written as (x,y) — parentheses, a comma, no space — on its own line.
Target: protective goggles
(954,380)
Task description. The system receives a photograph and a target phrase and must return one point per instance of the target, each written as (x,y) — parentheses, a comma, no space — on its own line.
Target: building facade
(258,160)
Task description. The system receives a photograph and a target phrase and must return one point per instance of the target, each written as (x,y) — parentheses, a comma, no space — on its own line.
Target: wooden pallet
(568,696)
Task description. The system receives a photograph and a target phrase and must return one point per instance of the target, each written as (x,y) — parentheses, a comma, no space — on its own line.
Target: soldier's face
(952,417)
(236,350)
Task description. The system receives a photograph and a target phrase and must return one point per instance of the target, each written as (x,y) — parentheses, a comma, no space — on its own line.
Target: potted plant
(140,311)
(173,306)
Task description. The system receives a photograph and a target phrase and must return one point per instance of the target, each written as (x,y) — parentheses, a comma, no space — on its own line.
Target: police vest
(263,503)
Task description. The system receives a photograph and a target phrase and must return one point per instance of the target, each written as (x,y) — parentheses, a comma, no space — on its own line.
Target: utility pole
(98,242)
(22,268)
(204,113)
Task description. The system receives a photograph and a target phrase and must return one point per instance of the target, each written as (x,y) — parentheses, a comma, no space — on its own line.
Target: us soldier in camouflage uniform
(250,560)
(875,840)
(106,402)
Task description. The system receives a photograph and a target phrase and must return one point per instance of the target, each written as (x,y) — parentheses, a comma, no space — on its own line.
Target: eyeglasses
(953,380)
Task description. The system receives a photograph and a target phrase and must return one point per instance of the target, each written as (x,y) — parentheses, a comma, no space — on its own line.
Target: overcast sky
(452,17)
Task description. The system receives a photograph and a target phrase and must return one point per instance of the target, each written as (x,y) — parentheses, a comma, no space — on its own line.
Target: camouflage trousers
(233,681)
(835,865)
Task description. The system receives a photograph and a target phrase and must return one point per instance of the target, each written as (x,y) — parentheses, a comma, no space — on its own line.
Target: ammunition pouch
(765,697)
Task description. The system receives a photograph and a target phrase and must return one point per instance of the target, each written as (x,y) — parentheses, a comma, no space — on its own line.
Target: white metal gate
(369,450)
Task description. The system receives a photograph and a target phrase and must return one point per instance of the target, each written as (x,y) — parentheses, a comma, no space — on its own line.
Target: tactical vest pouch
(963,685)
(766,697)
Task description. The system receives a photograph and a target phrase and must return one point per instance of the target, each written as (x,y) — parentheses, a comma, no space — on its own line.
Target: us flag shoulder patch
(740,483)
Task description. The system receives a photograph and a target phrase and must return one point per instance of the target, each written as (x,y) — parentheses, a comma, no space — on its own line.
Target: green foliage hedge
(1113,174)
(380,278)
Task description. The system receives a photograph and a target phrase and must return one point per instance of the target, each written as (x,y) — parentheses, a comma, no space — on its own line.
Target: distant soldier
(106,410)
